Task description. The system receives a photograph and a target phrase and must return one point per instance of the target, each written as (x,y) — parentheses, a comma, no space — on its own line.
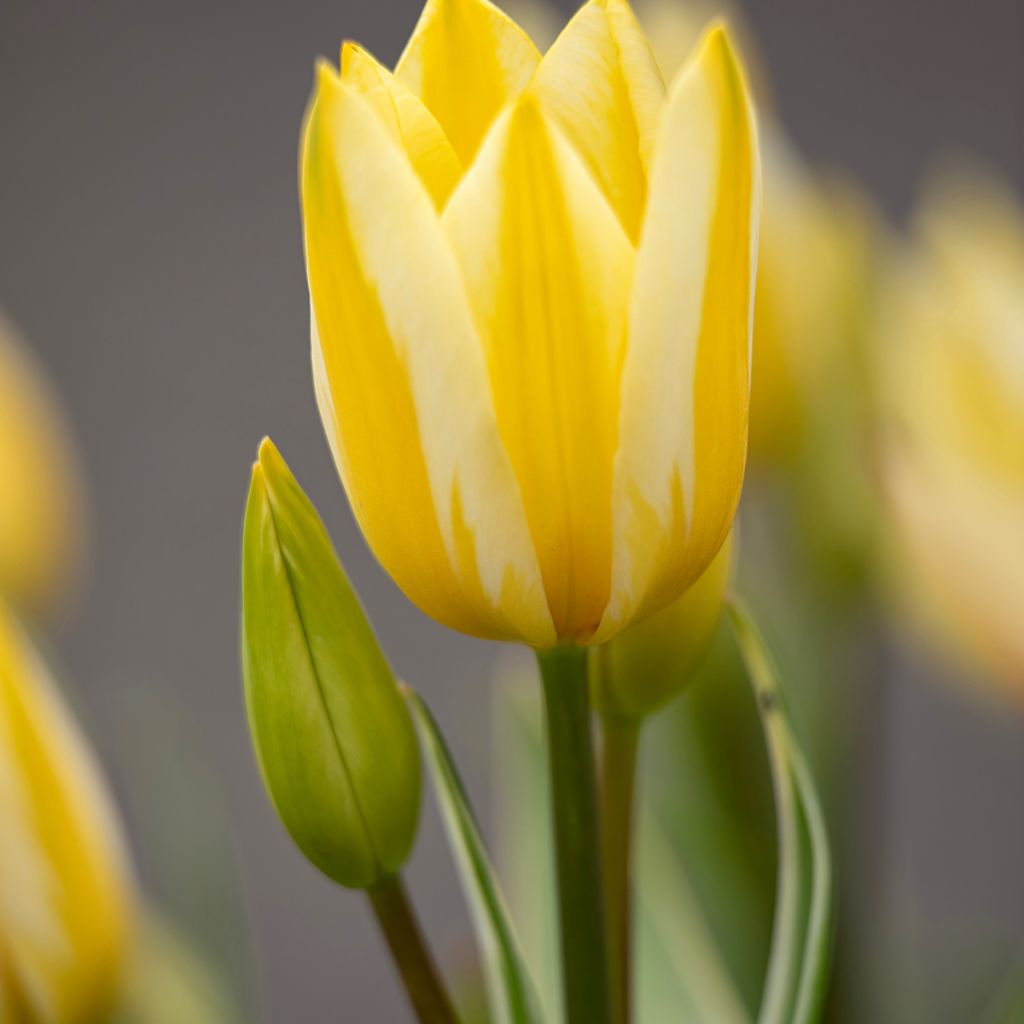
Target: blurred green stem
(619,742)
(410,952)
(577,835)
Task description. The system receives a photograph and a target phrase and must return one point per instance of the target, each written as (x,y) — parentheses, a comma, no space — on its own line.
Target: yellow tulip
(953,451)
(40,492)
(65,897)
(531,282)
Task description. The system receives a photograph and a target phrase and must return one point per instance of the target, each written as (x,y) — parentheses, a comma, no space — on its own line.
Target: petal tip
(719,45)
(527,116)
(268,459)
(324,74)
(350,50)
(353,55)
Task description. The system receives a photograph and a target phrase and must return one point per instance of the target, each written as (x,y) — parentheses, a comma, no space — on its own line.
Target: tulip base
(577,835)
(401,930)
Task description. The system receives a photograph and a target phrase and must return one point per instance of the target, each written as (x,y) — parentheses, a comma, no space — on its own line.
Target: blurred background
(150,251)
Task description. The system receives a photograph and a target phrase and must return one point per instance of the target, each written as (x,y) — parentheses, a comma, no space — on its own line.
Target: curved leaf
(686,969)
(509,989)
(798,966)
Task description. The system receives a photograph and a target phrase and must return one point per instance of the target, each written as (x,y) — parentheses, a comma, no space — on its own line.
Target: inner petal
(549,270)
(407,120)
(466,60)
(601,84)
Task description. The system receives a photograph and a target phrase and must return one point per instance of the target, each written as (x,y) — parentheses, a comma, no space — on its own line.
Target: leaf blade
(670,911)
(509,988)
(797,976)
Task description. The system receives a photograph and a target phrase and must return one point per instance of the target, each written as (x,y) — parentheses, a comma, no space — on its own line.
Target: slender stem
(577,835)
(422,981)
(619,741)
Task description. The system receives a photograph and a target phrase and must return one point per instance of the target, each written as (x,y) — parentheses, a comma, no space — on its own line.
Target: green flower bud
(650,662)
(335,741)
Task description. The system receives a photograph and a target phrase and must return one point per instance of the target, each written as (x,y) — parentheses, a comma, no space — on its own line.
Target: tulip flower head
(953,452)
(531,284)
(65,893)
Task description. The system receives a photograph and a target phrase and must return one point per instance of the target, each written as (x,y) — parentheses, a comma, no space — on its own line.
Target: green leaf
(510,992)
(523,829)
(679,963)
(1008,1004)
(798,965)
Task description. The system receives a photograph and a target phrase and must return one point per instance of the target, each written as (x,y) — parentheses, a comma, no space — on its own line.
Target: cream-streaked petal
(406,118)
(466,60)
(402,383)
(686,380)
(601,83)
(549,269)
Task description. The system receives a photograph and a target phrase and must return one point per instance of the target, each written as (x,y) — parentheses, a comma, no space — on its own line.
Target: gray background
(150,248)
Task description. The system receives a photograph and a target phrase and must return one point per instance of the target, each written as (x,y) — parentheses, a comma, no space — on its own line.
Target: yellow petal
(407,119)
(549,269)
(686,380)
(41,501)
(601,83)
(65,890)
(402,385)
(466,60)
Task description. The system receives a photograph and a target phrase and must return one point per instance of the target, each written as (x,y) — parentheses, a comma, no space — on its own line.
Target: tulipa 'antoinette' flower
(531,282)
(953,448)
(65,894)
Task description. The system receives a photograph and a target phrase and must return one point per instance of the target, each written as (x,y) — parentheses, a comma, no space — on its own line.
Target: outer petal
(549,268)
(407,119)
(686,380)
(466,60)
(601,83)
(402,384)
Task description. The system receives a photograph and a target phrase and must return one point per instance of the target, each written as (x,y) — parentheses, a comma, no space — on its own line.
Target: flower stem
(619,741)
(422,981)
(577,835)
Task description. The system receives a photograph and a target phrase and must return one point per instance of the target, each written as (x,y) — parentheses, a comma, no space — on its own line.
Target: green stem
(577,835)
(422,981)
(619,741)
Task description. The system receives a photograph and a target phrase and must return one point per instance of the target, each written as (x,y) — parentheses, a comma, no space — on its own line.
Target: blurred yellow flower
(531,285)
(41,503)
(65,896)
(953,447)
